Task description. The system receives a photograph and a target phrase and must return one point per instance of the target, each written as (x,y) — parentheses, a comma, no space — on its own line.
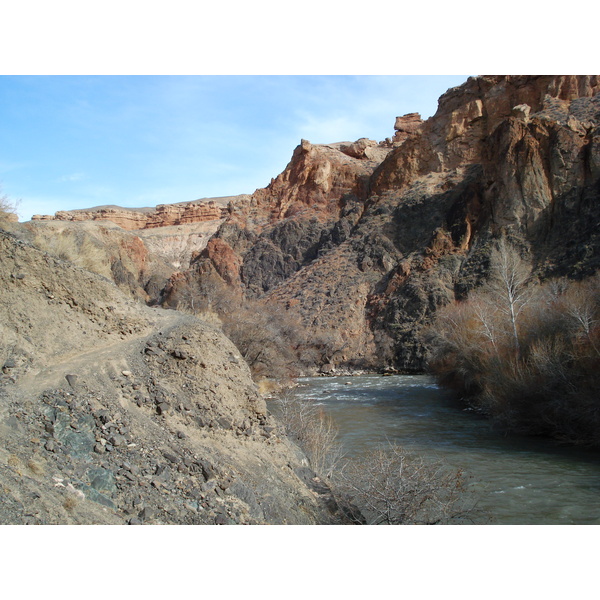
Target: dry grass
(81,250)
(36,466)
(73,499)
(70,502)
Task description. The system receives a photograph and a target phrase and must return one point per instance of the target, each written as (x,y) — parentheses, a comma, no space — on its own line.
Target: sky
(70,142)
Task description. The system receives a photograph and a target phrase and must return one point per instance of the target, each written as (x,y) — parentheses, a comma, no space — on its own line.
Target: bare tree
(509,284)
(582,305)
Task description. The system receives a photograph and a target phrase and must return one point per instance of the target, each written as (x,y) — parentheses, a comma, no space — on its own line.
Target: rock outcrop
(164,215)
(364,240)
(367,240)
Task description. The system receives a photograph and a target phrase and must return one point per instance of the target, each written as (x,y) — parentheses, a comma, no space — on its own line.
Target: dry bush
(527,355)
(313,430)
(461,347)
(393,486)
(36,466)
(8,209)
(73,497)
(265,334)
(70,502)
(387,485)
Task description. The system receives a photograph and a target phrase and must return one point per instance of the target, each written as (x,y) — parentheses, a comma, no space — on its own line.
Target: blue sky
(80,141)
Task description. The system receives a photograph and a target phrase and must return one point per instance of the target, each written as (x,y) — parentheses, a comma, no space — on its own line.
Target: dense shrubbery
(526,354)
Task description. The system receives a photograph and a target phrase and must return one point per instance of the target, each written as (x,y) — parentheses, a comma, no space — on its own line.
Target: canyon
(363,241)
(117,410)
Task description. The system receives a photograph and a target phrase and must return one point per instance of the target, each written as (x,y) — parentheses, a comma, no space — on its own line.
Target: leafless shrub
(314,431)
(388,485)
(8,209)
(265,333)
(393,486)
(526,354)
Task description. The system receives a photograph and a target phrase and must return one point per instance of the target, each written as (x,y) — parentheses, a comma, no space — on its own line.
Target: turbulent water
(517,480)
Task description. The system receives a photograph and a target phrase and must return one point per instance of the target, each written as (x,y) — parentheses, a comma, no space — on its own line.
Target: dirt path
(103,358)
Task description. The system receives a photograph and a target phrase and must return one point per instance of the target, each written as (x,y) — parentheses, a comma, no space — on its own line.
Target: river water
(517,480)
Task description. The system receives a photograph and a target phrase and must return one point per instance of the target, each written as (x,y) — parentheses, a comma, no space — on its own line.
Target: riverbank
(516,479)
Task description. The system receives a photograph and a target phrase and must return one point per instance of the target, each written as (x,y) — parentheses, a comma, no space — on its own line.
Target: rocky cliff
(362,241)
(366,240)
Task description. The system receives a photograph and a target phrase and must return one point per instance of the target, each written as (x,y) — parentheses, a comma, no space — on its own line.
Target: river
(517,480)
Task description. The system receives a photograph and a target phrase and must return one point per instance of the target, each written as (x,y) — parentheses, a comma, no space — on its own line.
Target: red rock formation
(407,127)
(226,262)
(164,215)
(318,176)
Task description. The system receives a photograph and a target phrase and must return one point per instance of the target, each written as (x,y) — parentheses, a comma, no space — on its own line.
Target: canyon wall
(363,241)
(163,215)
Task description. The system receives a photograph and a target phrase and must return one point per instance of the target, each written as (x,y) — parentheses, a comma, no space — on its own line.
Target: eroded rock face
(514,154)
(366,240)
(318,176)
(407,127)
(468,114)
(164,215)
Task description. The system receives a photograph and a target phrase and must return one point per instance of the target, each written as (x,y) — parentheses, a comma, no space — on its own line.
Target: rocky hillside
(114,412)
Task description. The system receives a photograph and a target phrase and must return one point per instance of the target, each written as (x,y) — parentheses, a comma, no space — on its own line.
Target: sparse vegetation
(8,209)
(77,248)
(36,466)
(313,430)
(70,502)
(266,335)
(389,485)
(393,486)
(524,353)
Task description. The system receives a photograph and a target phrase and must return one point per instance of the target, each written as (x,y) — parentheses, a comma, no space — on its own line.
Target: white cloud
(8,166)
(71,177)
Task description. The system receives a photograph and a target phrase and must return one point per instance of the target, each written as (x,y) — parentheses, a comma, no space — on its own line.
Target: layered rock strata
(367,239)
(164,215)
